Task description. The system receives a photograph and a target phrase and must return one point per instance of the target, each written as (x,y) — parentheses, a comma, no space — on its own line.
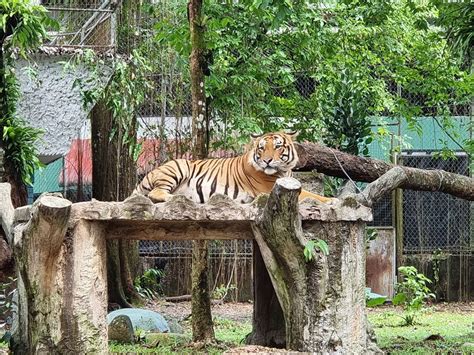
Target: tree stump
(61,282)
(323,300)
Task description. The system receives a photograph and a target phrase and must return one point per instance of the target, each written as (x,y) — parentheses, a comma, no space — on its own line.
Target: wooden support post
(323,300)
(61,282)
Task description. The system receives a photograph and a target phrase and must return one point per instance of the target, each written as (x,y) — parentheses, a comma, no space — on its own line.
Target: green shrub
(412,293)
(147,285)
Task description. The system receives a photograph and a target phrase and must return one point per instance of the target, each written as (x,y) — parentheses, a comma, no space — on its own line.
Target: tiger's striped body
(241,178)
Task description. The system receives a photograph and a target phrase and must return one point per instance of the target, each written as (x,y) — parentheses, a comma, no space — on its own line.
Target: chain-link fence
(177,249)
(434,221)
(83,23)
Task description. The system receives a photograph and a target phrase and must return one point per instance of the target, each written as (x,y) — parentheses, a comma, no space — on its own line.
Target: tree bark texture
(61,282)
(268,328)
(323,300)
(198,94)
(203,330)
(332,162)
(113,179)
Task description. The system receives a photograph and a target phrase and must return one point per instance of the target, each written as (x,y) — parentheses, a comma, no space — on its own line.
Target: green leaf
(399,298)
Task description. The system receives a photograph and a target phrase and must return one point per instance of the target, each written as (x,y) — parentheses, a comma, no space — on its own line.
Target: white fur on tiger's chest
(201,193)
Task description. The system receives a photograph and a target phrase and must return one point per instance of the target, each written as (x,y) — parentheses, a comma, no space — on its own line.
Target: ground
(448,327)
(443,328)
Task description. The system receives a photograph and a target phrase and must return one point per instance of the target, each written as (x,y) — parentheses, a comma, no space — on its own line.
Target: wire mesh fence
(83,23)
(434,221)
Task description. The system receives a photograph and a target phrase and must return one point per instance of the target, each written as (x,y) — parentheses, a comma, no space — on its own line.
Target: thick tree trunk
(323,300)
(336,163)
(198,95)
(203,330)
(113,179)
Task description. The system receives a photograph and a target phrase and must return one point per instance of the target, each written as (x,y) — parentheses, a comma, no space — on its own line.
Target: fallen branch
(336,163)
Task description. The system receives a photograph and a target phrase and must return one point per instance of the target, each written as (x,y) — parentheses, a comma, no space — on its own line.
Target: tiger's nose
(268,160)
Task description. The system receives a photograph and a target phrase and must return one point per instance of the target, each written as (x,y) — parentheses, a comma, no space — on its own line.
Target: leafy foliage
(373,299)
(123,91)
(26,23)
(19,143)
(7,291)
(370,235)
(312,246)
(458,19)
(22,28)
(412,293)
(324,70)
(148,285)
(221,291)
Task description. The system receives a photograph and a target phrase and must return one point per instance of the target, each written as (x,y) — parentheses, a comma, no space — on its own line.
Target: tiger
(242,178)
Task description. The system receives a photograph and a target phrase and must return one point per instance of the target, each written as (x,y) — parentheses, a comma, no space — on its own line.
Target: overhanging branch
(336,163)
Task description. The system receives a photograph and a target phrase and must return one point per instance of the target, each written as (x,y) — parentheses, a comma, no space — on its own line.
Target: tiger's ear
(292,134)
(255,136)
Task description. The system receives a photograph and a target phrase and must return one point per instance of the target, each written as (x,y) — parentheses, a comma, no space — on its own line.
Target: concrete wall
(49,102)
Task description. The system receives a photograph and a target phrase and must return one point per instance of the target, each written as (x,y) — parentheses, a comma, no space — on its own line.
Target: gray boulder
(121,330)
(142,319)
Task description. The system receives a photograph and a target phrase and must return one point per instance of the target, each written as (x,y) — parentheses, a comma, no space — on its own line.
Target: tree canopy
(325,68)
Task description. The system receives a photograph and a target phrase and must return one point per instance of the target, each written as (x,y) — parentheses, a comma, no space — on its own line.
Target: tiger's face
(274,153)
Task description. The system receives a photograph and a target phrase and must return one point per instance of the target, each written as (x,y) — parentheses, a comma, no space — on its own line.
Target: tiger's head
(274,153)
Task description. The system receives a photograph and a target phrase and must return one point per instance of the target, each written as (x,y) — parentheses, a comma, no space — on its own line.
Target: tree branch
(336,163)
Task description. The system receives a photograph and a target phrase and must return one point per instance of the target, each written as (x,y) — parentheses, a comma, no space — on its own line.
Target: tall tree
(203,330)
(113,179)
(114,143)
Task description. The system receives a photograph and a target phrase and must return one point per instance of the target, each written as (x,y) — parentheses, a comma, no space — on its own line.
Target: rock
(121,330)
(142,319)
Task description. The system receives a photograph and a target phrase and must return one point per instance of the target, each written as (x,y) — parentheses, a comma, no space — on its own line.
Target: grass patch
(228,333)
(231,332)
(455,332)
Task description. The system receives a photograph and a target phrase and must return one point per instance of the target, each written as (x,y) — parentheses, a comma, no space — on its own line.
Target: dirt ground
(239,312)
(242,312)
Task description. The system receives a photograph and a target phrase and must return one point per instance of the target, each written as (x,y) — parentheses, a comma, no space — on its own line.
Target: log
(332,162)
(323,300)
(61,282)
